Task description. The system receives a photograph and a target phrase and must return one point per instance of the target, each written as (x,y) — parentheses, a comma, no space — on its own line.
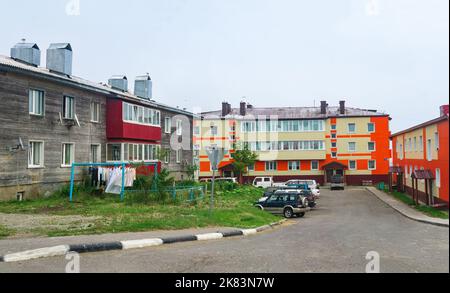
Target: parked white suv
(263,182)
(312,185)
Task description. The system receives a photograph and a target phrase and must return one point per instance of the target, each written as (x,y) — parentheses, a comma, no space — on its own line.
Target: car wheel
(301,215)
(288,213)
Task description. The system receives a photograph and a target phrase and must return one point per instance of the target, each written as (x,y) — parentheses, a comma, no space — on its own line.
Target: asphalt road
(334,238)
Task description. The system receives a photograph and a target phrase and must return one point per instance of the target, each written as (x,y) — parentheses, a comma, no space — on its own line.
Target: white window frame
(296,164)
(436,141)
(352,150)
(65,107)
(132,114)
(31,154)
(356,165)
(168,125)
(429,150)
(374,146)
(95,108)
(271,166)
(99,152)
(334,155)
(179,127)
(63,154)
(32,102)
(375,165)
(167,156)
(333,127)
(348,128)
(312,166)
(438,177)
(420,143)
(374,127)
(179,156)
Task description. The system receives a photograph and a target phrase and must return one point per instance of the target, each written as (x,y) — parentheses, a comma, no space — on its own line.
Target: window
(95,112)
(214,130)
(429,151)
(36,102)
(371,146)
(251,167)
(410,144)
(334,144)
(168,125)
(196,130)
(420,144)
(142,115)
(114,153)
(352,146)
(95,153)
(36,154)
(333,154)
(438,177)
(436,140)
(372,164)
(333,135)
(352,165)
(271,166)
(333,127)
(167,156)
(179,154)
(401,152)
(315,165)
(68,154)
(371,127)
(179,127)
(351,128)
(294,165)
(415,144)
(69,108)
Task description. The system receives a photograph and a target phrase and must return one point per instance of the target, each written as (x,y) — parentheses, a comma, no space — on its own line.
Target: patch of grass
(429,211)
(5,232)
(232,209)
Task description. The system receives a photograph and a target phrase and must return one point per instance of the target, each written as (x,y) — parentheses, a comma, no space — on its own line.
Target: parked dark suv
(287,203)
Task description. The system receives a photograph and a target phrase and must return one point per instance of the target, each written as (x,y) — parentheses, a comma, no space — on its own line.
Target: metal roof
(293,113)
(419,126)
(66,46)
(27,45)
(423,174)
(7,62)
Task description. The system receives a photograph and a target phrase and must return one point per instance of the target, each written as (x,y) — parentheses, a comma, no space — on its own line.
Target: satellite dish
(21,147)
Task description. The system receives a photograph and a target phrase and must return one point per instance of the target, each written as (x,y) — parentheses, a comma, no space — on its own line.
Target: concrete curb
(129,244)
(403,210)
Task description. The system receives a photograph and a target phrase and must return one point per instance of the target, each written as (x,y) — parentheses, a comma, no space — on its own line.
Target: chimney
(342,107)
(143,87)
(226,109)
(243,109)
(59,58)
(444,110)
(323,107)
(249,106)
(27,52)
(119,82)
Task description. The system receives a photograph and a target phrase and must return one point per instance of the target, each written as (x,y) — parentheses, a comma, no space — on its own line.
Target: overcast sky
(391,55)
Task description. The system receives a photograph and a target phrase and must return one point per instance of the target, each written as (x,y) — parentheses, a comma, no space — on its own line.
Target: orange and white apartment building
(421,152)
(299,142)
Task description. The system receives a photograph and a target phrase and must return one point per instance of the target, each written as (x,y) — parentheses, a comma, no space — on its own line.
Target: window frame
(33,112)
(179,156)
(374,146)
(99,153)
(352,150)
(41,156)
(97,110)
(368,165)
(168,125)
(350,165)
(179,127)
(297,165)
(63,154)
(312,166)
(438,177)
(348,128)
(72,99)
(374,127)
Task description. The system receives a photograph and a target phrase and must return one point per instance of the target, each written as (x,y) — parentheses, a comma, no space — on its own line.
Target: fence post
(72,179)
(122,194)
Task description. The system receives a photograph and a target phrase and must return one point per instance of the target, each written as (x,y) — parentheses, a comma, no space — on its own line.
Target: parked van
(263,182)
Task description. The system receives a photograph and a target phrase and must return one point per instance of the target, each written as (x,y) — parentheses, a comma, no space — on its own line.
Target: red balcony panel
(116,128)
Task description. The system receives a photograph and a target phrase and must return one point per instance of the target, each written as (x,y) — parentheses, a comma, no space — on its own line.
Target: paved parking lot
(334,238)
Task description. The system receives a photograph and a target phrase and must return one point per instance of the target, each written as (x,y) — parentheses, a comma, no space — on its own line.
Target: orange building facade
(425,147)
(299,142)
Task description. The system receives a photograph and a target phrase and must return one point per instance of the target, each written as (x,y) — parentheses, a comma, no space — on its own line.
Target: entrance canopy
(423,174)
(396,170)
(335,166)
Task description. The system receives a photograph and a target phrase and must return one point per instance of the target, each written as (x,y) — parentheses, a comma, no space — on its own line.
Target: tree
(190,171)
(243,158)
